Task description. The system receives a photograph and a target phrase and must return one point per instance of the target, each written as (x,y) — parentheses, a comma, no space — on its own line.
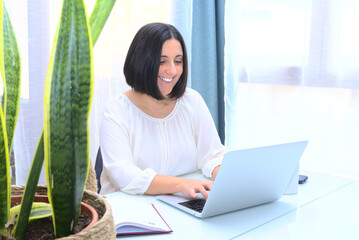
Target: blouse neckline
(137,109)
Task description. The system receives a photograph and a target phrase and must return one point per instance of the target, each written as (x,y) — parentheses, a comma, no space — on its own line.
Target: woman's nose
(171,69)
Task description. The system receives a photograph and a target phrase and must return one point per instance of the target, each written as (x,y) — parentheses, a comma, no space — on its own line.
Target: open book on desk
(132,217)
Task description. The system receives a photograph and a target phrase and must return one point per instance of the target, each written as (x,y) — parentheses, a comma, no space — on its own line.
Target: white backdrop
(292,73)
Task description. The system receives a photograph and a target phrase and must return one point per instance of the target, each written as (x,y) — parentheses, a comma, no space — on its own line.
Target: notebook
(135,217)
(247,178)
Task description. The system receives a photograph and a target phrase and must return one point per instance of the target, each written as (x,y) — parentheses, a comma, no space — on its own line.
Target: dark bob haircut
(143,60)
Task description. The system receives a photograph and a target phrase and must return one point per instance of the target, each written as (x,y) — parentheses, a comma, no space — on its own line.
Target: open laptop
(246,178)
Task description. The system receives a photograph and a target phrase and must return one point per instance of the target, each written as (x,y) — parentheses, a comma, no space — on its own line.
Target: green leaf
(4,176)
(10,73)
(38,210)
(68,95)
(30,189)
(98,18)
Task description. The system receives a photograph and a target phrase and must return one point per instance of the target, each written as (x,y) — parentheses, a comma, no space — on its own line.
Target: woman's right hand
(191,187)
(162,184)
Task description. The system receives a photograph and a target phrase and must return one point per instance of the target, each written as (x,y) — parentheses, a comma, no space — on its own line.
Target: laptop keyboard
(195,204)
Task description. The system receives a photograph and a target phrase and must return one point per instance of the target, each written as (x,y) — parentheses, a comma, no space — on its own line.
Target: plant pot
(103,229)
(85,208)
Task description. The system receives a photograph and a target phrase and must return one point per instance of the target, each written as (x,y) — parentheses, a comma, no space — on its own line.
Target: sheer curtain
(35,23)
(292,73)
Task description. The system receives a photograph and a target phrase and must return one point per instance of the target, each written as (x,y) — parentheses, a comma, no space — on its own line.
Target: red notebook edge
(149,232)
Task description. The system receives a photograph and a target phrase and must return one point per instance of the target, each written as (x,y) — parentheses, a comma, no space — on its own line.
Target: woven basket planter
(103,229)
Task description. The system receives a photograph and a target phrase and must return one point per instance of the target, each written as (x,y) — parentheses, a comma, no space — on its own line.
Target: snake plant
(67,101)
(10,74)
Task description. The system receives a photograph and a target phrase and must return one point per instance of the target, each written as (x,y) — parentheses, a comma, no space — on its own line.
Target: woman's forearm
(162,184)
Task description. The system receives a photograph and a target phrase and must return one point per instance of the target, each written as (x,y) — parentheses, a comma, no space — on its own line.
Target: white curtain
(292,73)
(35,23)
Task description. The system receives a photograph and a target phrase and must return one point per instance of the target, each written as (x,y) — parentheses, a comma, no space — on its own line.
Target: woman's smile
(166,79)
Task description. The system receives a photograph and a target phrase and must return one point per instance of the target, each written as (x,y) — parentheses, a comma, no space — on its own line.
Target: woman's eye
(179,62)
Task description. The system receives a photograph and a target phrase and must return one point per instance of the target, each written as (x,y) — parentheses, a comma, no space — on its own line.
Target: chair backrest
(98,169)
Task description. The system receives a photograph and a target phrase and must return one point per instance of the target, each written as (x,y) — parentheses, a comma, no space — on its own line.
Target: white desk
(325,207)
(333,216)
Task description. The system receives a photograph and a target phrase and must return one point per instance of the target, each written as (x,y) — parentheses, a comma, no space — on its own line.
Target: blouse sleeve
(209,146)
(119,171)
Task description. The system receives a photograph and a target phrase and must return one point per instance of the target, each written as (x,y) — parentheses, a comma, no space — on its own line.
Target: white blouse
(135,146)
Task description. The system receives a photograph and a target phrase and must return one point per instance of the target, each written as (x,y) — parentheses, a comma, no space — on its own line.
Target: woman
(159,129)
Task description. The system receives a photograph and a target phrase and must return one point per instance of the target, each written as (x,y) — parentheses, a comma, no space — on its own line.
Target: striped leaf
(68,95)
(97,21)
(29,191)
(4,176)
(39,210)
(99,16)
(10,74)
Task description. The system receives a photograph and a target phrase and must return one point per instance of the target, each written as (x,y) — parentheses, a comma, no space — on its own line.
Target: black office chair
(98,169)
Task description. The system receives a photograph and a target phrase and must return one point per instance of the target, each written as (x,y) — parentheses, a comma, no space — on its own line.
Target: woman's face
(171,66)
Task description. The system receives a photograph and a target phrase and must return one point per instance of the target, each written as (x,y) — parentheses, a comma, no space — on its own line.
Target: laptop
(246,178)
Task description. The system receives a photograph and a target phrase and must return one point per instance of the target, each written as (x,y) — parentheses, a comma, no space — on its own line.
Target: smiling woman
(178,135)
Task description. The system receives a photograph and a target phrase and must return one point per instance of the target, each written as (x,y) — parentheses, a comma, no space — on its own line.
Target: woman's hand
(167,185)
(191,187)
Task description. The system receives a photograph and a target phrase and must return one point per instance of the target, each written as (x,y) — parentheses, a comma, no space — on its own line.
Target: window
(292,74)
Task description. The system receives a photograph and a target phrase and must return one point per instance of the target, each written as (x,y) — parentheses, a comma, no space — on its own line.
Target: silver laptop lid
(253,176)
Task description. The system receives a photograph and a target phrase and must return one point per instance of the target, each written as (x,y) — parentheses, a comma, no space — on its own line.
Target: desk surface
(326,207)
(333,216)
